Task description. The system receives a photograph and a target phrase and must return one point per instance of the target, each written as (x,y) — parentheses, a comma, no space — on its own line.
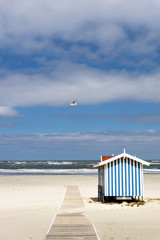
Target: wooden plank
(70,229)
(71,225)
(72,237)
(71,220)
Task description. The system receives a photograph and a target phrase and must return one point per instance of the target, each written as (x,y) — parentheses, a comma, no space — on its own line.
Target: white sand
(29,203)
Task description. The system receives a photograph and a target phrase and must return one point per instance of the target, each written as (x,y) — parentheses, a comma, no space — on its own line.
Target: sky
(104,54)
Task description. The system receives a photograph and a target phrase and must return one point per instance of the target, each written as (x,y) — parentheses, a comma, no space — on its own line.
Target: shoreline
(94,174)
(29,203)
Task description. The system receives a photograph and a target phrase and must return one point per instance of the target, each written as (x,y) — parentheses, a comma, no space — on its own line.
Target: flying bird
(72,104)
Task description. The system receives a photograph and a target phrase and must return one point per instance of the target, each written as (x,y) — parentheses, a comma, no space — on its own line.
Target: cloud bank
(71,81)
(144,144)
(65,41)
(32,25)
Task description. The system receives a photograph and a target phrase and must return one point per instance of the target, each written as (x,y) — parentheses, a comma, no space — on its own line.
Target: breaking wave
(60,167)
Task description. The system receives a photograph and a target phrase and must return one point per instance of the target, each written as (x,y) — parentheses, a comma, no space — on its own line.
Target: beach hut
(120,177)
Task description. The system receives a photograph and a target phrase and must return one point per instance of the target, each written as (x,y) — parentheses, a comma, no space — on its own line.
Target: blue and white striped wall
(123,177)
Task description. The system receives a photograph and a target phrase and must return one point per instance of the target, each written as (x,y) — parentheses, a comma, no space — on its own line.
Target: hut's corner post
(103,198)
(99,187)
(99,192)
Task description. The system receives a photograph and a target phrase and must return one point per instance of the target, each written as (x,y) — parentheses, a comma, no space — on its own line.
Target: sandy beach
(29,203)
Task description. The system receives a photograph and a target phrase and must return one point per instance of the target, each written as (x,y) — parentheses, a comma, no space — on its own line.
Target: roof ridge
(124,154)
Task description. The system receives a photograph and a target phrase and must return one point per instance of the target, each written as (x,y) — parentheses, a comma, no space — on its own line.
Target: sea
(61,167)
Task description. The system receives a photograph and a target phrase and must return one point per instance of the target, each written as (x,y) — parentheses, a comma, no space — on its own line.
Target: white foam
(151,171)
(49,171)
(59,163)
(63,171)
(19,162)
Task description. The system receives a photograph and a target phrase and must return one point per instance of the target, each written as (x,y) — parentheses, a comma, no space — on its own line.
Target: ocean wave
(155,163)
(19,162)
(48,171)
(151,171)
(36,162)
(59,163)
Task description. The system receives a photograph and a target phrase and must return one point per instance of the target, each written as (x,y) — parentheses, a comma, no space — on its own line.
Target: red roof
(104,158)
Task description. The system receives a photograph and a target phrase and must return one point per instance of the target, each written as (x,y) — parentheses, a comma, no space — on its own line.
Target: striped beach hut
(120,177)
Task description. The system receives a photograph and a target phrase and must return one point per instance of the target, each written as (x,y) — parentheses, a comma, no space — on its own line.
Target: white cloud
(116,27)
(31,25)
(144,144)
(71,81)
(6,111)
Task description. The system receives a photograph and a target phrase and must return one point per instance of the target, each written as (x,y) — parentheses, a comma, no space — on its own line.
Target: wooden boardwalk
(71,225)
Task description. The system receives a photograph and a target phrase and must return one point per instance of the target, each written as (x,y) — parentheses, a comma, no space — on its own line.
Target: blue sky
(105,54)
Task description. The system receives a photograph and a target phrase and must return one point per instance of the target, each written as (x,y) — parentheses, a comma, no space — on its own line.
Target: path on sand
(70,223)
